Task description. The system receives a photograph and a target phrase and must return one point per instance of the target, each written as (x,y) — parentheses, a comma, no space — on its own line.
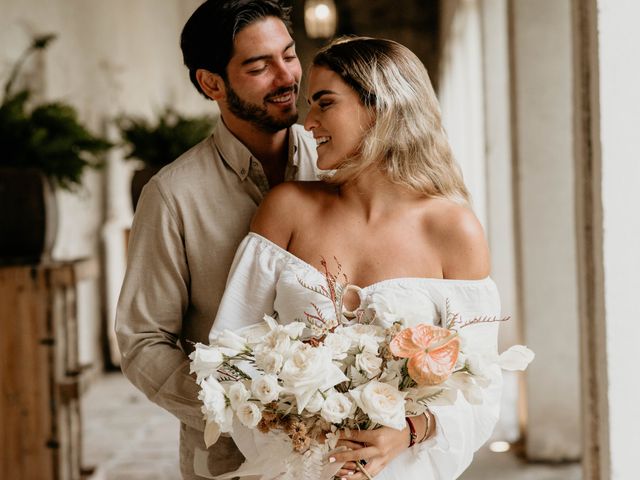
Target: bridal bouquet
(295,385)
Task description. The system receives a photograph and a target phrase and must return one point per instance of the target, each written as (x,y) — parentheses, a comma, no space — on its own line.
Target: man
(193,214)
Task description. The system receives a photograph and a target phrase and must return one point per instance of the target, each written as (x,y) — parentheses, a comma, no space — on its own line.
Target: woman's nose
(310,122)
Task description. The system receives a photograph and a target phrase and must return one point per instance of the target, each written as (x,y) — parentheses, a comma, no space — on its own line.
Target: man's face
(263,76)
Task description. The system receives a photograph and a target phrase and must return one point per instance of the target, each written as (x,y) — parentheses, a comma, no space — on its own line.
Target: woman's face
(337,118)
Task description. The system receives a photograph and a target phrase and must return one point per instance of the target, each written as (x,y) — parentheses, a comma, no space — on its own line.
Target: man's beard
(258,115)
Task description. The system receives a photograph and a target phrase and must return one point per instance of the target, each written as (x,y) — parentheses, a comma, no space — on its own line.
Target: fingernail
(332,459)
(350,473)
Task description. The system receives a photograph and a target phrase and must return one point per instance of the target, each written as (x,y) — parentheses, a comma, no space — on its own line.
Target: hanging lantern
(320,18)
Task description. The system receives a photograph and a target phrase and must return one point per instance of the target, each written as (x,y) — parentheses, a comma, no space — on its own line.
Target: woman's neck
(374,196)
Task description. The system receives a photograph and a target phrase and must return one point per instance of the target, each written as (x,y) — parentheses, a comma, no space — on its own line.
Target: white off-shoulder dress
(266,279)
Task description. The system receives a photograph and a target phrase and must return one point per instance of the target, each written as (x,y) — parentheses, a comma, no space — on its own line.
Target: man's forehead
(267,36)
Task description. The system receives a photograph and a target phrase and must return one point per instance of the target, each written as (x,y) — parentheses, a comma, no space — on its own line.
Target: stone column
(542,96)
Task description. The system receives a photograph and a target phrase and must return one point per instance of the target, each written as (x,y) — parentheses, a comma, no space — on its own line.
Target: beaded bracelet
(412,432)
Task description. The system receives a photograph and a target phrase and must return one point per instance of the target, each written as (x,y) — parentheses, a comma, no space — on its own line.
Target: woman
(394,213)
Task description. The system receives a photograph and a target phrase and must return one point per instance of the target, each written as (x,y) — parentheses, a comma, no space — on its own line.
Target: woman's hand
(376,447)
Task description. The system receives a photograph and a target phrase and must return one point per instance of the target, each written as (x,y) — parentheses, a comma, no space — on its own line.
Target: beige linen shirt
(189,221)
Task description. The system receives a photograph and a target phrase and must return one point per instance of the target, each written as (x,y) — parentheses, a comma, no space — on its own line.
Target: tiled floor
(126,437)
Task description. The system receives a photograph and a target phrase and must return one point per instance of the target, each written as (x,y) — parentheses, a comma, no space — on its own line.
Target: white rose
(338,344)
(307,370)
(277,341)
(336,407)
(269,362)
(383,403)
(249,414)
(315,404)
(214,402)
(205,361)
(266,388)
(238,395)
(369,363)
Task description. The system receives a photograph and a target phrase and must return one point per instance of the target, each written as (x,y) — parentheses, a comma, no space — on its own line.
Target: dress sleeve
(152,302)
(462,428)
(251,286)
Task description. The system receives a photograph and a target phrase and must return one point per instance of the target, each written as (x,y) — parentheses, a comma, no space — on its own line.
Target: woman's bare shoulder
(459,238)
(277,215)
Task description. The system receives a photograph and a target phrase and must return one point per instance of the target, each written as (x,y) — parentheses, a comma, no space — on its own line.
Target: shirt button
(242,172)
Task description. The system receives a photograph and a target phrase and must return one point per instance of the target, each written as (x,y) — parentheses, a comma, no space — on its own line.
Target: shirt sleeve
(462,428)
(251,286)
(153,300)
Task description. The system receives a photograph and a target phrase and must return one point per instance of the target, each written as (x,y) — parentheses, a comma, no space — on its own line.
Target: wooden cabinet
(40,423)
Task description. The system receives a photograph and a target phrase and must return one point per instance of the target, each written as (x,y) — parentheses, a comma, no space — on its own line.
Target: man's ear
(211,84)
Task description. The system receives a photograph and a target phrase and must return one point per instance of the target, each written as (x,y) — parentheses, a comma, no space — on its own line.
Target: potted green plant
(42,147)
(157,143)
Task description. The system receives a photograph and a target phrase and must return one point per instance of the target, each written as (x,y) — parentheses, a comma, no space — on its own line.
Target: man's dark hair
(207,37)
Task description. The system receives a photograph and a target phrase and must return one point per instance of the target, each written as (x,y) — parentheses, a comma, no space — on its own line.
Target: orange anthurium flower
(432,352)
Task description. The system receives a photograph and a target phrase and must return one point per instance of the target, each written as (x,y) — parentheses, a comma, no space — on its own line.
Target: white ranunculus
(214,404)
(269,362)
(205,361)
(315,404)
(383,403)
(516,358)
(249,414)
(369,363)
(338,344)
(307,370)
(266,388)
(336,407)
(238,395)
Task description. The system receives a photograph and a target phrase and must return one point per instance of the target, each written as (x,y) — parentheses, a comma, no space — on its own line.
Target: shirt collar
(237,155)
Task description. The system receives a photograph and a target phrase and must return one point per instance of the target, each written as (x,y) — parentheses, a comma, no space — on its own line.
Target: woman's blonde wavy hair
(406,141)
